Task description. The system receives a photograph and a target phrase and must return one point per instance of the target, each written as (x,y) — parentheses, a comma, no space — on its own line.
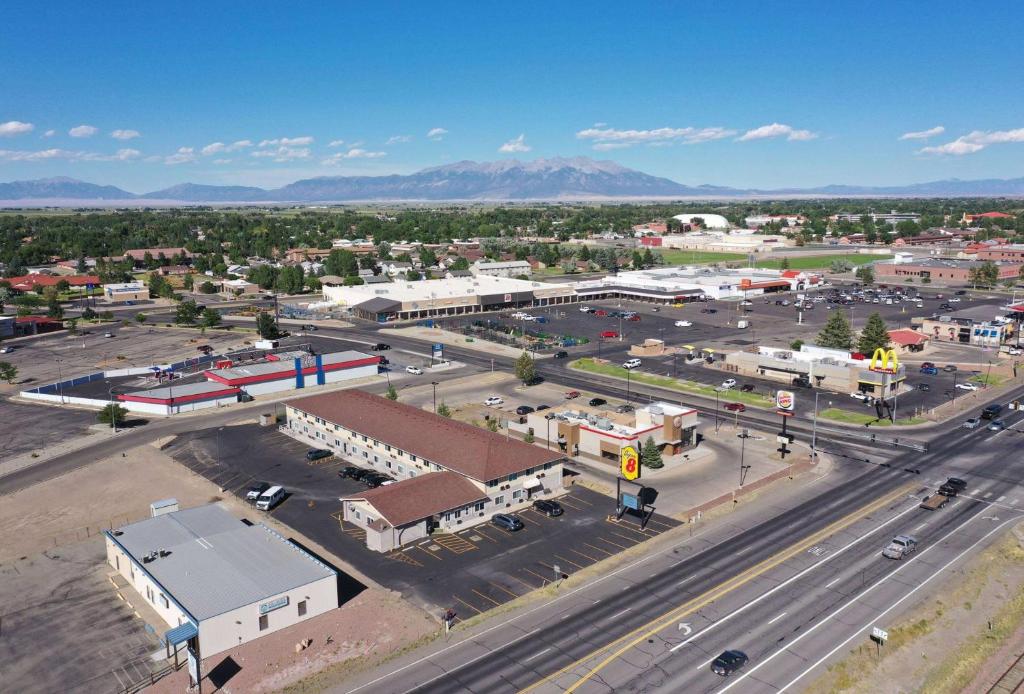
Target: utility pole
(434,385)
(814,430)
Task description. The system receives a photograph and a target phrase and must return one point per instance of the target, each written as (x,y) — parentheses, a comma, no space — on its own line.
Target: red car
(572,394)
(609,333)
(600,312)
(736,407)
(633,318)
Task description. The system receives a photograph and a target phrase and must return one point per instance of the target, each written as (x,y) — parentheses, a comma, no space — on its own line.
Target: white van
(270,498)
(631,364)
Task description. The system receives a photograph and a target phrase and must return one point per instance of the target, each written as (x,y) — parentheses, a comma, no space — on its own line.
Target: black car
(956,483)
(548,508)
(991,411)
(524,409)
(728,662)
(309,327)
(747,388)
(947,489)
(924,387)
(802,382)
(623,409)
(350,471)
(375,480)
(597,402)
(538,408)
(318,453)
(960,292)
(507,521)
(361,475)
(380,347)
(561,355)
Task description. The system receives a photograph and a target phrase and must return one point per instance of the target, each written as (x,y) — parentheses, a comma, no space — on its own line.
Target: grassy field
(615,371)
(988,380)
(838,415)
(680,257)
(816,262)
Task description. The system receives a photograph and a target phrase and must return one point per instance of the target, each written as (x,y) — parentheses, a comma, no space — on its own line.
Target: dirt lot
(945,644)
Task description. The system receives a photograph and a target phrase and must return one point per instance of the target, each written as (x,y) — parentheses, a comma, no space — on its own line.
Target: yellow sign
(630,463)
(884,361)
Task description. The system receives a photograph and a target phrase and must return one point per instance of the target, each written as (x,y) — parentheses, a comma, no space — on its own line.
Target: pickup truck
(901,546)
(934,502)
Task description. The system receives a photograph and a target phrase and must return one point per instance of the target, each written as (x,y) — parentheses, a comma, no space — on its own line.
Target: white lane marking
(988,494)
(833,581)
(796,576)
(860,601)
(1001,498)
(706,663)
(677,563)
(920,526)
(617,615)
(686,580)
(976,491)
(537,655)
(775,619)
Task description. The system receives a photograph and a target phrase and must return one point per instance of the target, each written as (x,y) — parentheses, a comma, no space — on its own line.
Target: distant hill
(60,188)
(578,178)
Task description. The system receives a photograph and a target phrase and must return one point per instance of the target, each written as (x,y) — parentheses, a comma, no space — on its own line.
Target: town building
(174,399)
(35,281)
(403,300)
(509,268)
(449,474)
(998,217)
(830,369)
(741,241)
(708,220)
(210,576)
(1007,253)
(940,270)
(117,293)
(907,340)
(238,287)
(679,284)
(761,220)
(892,217)
(288,372)
(967,327)
(138,255)
(601,435)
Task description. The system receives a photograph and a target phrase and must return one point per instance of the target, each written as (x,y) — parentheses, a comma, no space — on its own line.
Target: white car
(746,303)
(585,309)
(415,370)
(493,400)
(729,383)
(683,324)
(6,350)
(1015,351)
(527,317)
(108,334)
(857,395)
(631,364)
(967,386)
(953,300)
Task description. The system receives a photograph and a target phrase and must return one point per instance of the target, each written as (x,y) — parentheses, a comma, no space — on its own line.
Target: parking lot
(470,571)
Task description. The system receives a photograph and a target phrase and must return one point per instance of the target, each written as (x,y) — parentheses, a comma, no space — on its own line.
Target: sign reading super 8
(629,463)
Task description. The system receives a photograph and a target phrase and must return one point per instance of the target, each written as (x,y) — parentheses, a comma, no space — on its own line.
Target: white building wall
(145,586)
(309,380)
(227,630)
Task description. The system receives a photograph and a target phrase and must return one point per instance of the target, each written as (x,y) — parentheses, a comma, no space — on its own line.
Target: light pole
(60,381)
(434,385)
(628,372)
(743,449)
(113,414)
(549,417)
(814,430)
(716,410)
(955,374)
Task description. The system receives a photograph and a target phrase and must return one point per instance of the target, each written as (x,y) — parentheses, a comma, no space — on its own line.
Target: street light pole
(716,410)
(60,381)
(743,450)
(814,430)
(628,371)
(434,385)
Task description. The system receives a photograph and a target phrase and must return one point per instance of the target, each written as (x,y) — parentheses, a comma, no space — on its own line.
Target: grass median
(605,369)
(837,415)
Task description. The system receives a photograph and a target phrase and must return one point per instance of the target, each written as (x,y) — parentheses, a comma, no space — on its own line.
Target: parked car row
(264,495)
(371,478)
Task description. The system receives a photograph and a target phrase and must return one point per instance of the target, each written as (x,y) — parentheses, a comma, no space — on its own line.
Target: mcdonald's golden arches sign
(884,361)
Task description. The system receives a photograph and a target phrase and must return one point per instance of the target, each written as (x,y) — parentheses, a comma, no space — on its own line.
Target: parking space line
(568,561)
(666,526)
(628,539)
(599,549)
(485,597)
(576,551)
(467,604)
(429,553)
(602,538)
(630,528)
(566,503)
(502,588)
(484,535)
(530,571)
(529,586)
(576,498)
(522,517)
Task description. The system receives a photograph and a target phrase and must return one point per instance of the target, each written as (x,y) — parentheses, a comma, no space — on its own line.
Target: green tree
(795,345)
(444,410)
(865,274)
(63,286)
(413,276)
(209,318)
(840,265)
(157,284)
(391,394)
(342,263)
(88,313)
(266,326)
(187,312)
(53,308)
(650,456)
(5,295)
(428,257)
(352,281)
(207,287)
(837,333)
(638,260)
(784,263)
(463,264)
(8,371)
(584,253)
(526,369)
(648,258)
(112,414)
(492,424)
(874,335)
(188,281)
(141,317)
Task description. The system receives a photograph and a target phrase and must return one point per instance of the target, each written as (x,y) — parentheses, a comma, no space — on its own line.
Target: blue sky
(732,93)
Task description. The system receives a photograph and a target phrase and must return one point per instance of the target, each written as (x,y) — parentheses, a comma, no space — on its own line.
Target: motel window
(479,506)
(513,476)
(356,513)
(547,466)
(448,516)
(337,442)
(401,469)
(387,448)
(492,483)
(458,514)
(499,500)
(364,439)
(163,601)
(264,622)
(401,454)
(117,561)
(412,458)
(302,608)
(366,455)
(517,494)
(376,459)
(412,473)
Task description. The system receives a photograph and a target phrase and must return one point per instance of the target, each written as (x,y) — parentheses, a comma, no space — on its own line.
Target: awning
(181,634)
(531,482)
(690,347)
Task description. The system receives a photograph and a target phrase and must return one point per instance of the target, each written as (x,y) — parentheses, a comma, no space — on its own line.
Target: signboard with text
(629,463)
(785,402)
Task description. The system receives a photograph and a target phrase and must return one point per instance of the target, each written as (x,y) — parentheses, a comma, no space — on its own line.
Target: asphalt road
(726,595)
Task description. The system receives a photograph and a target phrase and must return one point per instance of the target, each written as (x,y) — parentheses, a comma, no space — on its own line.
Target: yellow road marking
(628,539)
(467,604)
(640,634)
(542,579)
(598,549)
(429,554)
(566,503)
(576,498)
(602,538)
(576,551)
(496,603)
(568,561)
(530,587)
(503,588)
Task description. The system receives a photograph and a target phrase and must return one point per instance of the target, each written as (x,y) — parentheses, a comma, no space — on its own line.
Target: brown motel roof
(477,453)
(414,499)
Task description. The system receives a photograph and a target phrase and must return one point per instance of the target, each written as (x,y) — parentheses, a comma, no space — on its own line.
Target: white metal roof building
(232,581)
(711,221)
(671,284)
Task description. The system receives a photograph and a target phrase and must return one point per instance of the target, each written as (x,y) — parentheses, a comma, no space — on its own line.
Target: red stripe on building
(182,399)
(290,373)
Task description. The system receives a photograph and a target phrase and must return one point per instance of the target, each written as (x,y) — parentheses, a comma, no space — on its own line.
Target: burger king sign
(785,401)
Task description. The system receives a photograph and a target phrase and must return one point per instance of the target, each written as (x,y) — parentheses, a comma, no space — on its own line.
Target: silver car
(901,546)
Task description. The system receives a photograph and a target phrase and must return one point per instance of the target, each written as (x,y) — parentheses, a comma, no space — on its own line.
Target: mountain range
(579,178)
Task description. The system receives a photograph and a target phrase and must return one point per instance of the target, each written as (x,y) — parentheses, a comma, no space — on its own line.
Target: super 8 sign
(630,463)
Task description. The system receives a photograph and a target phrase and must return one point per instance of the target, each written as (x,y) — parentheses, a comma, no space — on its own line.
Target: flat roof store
(451,475)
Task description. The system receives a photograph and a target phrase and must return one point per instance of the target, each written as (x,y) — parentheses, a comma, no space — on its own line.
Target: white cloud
(184,155)
(515,145)
(437,134)
(83,131)
(69,155)
(283,153)
(49,133)
(335,143)
(975,141)
(610,138)
(288,141)
(125,134)
(777,130)
(923,134)
(218,147)
(354,153)
(398,139)
(601,125)
(221,161)
(15,127)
